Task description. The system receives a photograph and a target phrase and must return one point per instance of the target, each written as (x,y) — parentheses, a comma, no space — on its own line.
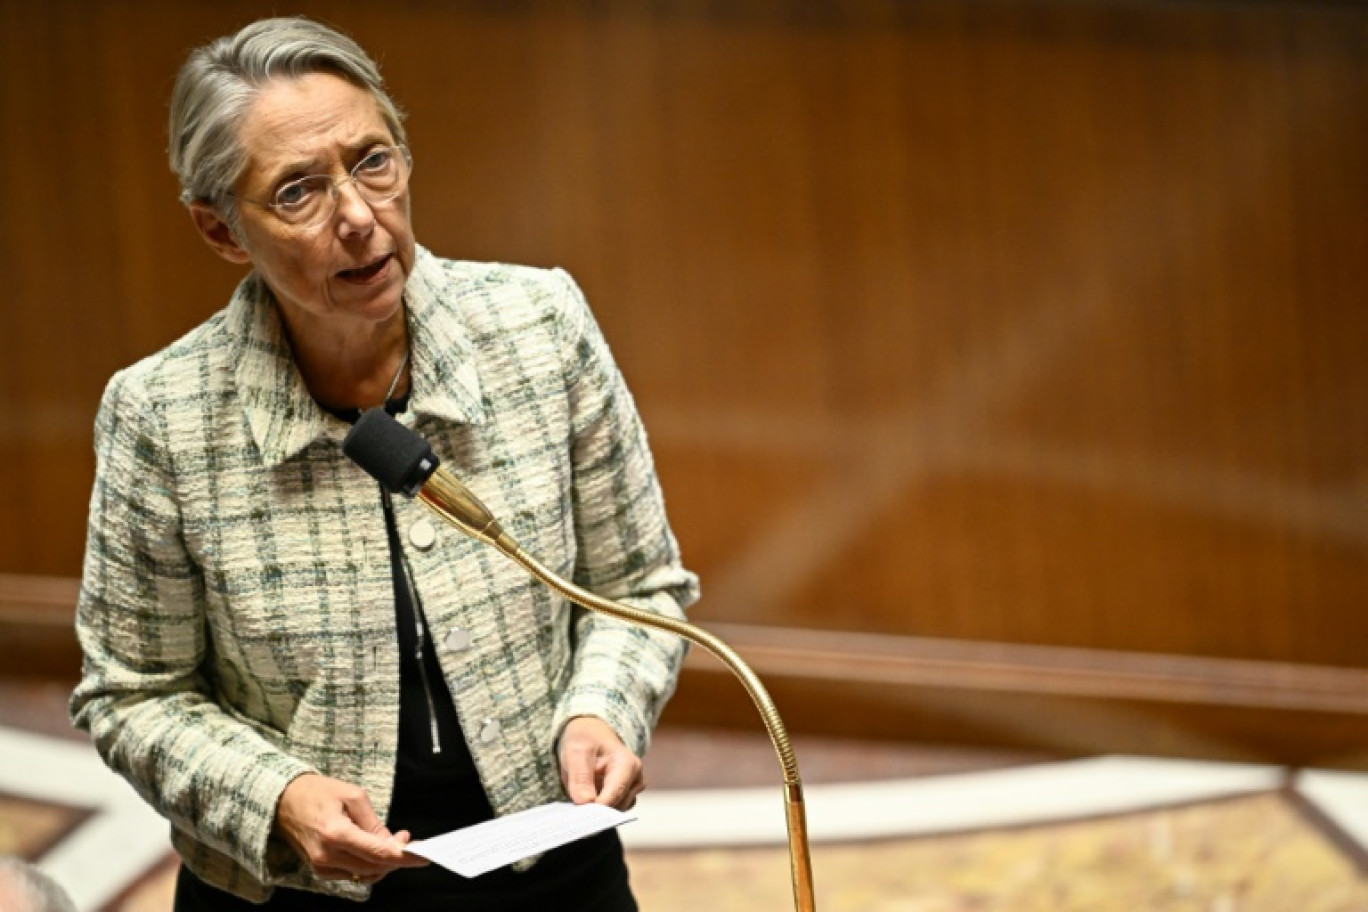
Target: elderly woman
(297,672)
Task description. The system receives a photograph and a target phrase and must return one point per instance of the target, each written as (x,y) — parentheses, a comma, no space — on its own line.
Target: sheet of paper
(476,850)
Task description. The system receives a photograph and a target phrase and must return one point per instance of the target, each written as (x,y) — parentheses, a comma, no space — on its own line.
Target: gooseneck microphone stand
(404,464)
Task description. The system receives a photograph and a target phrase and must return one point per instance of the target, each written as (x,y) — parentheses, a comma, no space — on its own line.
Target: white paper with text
(476,850)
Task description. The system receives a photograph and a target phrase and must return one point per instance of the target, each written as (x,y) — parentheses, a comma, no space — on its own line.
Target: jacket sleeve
(144,695)
(625,549)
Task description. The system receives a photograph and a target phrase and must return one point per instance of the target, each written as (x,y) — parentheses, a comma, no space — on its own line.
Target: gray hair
(219,81)
(43,893)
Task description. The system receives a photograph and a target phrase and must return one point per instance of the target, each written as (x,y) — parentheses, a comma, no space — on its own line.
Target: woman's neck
(358,368)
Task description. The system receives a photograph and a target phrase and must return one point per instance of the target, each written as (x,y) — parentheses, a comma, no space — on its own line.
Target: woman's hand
(596,766)
(333,827)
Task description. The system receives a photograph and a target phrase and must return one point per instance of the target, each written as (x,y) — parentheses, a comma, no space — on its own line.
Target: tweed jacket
(236,609)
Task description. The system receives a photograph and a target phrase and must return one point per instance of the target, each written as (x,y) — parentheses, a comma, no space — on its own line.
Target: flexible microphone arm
(404,464)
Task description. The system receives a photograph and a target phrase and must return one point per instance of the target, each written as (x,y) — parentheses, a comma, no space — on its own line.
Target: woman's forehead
(308,120)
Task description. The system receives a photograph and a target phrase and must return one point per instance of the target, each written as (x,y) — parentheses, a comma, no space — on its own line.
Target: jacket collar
(283,416)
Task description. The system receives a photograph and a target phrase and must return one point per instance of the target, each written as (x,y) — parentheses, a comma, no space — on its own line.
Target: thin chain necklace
(394,384)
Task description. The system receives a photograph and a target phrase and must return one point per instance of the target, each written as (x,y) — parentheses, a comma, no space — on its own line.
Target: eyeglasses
(310,201)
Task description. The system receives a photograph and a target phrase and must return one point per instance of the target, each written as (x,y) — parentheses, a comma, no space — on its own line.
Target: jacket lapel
(283,417)
(446,383)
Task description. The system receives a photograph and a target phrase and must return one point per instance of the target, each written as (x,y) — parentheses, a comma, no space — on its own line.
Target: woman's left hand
(596,766)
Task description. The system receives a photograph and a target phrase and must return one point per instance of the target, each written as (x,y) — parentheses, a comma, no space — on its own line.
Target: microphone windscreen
(389,452)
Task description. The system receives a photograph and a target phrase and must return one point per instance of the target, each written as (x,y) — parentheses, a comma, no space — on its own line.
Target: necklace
(394,384)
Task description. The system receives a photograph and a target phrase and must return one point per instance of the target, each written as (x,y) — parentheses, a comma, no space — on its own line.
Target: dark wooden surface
(1036,323)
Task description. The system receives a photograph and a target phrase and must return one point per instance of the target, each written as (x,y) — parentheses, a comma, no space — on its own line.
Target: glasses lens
(305,201)
(381,175)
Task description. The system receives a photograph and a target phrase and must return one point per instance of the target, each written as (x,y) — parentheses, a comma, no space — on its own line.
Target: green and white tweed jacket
(236,608)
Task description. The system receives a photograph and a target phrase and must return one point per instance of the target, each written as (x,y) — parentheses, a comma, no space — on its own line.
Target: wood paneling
(37,637)
(1019,321)
(1057,723)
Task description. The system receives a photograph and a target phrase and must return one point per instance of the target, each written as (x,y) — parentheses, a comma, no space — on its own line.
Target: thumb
(362,814)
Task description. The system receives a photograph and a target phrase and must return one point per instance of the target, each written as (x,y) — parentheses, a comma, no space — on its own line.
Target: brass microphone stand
(455,503)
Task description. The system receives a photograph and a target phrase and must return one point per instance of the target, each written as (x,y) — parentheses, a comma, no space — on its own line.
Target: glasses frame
(335,189)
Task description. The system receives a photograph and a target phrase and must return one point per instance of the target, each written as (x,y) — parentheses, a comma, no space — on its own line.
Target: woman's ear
(217,234)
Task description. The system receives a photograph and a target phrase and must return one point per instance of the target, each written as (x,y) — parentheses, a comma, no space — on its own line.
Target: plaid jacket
(236,608)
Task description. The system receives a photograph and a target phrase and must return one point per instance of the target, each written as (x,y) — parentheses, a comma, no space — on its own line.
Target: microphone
(404,463)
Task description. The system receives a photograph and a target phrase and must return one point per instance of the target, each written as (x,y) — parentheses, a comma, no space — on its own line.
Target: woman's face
(351,270)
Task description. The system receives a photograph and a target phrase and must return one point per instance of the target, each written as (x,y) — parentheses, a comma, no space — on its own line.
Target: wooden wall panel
(1024,320)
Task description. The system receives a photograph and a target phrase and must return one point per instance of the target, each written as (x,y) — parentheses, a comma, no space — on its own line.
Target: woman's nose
(357,217)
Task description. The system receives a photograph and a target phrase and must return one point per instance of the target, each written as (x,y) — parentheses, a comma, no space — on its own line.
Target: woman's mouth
(363,275)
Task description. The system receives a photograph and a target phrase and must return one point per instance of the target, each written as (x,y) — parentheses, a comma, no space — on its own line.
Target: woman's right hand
(333,827)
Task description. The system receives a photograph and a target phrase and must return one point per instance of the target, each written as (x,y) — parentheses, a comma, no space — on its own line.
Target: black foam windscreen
(389,452)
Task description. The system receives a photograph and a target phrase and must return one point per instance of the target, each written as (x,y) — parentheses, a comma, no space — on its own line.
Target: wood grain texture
(1020,321)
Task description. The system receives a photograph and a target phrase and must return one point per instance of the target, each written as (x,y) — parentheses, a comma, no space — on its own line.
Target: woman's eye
(376,161)
(292,196)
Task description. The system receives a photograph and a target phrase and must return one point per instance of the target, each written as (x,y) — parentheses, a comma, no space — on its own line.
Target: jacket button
(489,731)
(423,534)
(457,640)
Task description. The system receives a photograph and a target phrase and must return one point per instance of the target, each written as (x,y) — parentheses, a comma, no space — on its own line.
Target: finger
(615,785)
(619,783)
(355,862)
(638,787)
(579,774)
(355,844)
(369,840)
(408,861)
(359,809)
(403,838)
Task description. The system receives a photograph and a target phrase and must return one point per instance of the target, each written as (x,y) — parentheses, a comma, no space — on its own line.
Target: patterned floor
(895,828)
(1253,853)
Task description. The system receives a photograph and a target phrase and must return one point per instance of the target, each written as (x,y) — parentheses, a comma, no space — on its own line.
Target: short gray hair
(43,893)
(219,82)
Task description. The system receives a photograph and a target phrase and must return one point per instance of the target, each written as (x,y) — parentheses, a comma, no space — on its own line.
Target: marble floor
(895,827)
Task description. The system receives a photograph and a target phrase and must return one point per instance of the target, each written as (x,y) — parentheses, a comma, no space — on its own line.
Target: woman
(299,673)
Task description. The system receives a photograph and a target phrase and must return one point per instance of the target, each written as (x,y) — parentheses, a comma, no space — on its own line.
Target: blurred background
(1004,361)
